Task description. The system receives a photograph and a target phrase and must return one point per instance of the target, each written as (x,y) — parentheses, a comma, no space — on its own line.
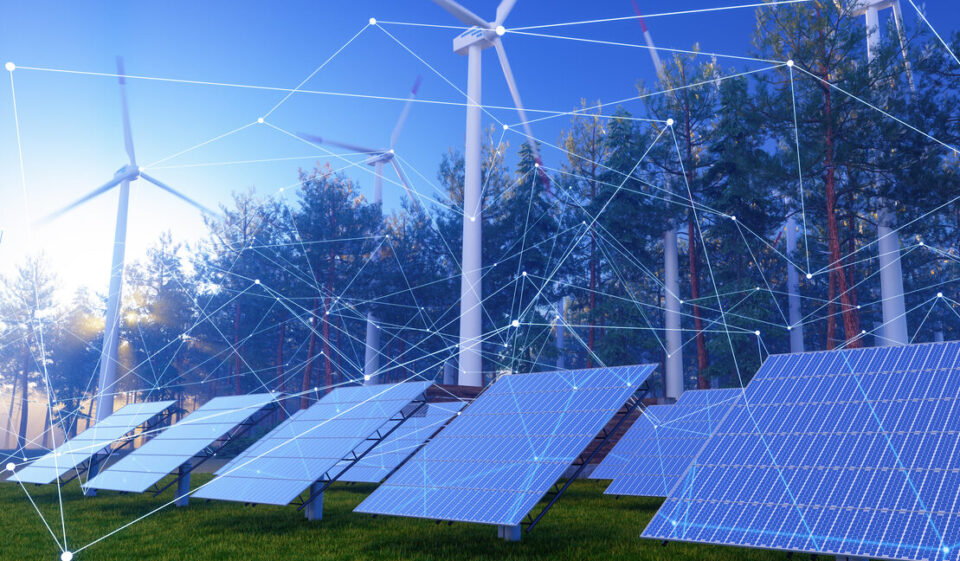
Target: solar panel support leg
(92,470)
(314,508)
(183,485)
(509,533)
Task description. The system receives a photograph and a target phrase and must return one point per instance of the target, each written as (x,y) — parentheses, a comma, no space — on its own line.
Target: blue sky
(70,123)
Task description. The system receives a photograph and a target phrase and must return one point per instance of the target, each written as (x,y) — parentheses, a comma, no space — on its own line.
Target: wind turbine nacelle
(127,173)
(379,159)
(473,36)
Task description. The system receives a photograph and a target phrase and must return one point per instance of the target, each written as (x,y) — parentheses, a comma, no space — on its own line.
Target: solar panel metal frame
(412,435)
(333,470)
(95,449)
(661,444)
(916,384)
(606,404)
(244,412)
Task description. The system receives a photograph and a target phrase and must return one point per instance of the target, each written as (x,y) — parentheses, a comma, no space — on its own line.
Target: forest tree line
(275,297)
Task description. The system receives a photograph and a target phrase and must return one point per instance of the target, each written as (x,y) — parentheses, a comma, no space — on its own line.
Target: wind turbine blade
(95,193)
(352,147)
(654,54)
(177,194)
(503,10)
(898,20)
(127,134)
(403,179)
(515,93)
(461,13)
(403,114)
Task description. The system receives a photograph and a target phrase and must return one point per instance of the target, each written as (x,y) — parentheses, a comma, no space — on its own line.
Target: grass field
(585,524)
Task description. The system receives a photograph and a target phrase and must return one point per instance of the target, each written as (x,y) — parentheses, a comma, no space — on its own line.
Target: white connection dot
(524,273)
(757,333)
(809,276)
(515,323)
(858,306)
(10,66)
(789,327)
(790,62)
(500,30)
(575,388)
(366,376)
(66,556)
(681,301)
(256,281)
(260,120)
(921,244)
(473,219)
(863,332)
(673,522)
(458,413)
(536,165)
(140,169)
(11,466)
(939,295)
(506,127)
(734,218)
(669,122)
(946,550)
(373,21)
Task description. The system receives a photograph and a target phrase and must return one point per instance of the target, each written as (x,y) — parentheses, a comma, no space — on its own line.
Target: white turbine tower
(481,35)
(122,177)
(894,328)
(378,157)
(671,276)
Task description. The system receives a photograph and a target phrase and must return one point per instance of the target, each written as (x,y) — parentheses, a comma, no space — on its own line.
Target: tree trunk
(281,383)
(46,428)
(311,351)
(702,381)
(8,435)
(327,363)
(24,398)
(236,348)
(831,310)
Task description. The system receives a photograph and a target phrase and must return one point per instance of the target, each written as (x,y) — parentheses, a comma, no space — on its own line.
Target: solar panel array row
(81,448)
(146,465)
(499,457)
(310,444)
(849,452)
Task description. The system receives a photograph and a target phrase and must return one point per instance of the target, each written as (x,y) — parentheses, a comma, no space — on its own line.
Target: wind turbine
(894,328)
(377,158)
(671,275)
(471,43)
(122,178)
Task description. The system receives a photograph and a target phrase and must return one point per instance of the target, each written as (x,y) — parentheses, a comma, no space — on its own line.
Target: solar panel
(387,455)
(852,453)
(72,454)
(167,451)
(658,448)
(501,455)
(312,445)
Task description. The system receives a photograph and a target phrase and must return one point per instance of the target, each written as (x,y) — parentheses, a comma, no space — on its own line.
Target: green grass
(584,524)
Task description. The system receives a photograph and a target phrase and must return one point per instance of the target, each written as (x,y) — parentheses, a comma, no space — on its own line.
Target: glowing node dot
(366,376)
(506,127)
(669,122)
(140,169)
(790,62)
(11,466)
(473,219)
(66,556)
(921,244)
(946,550)
(734,218)
(789,327)
(256,281)
(500,30)
(939,295)
(515,323)
(373,21)
(10,66)
(458,413)
(757,333)
(681,301)
(524,273)
(536,165)
(260,120)
(858,306)
(863,332)
(673,522)
(575,388)
(809,276)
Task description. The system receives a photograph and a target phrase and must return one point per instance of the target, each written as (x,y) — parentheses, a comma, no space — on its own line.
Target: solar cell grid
(848,452)
(309,445)
(177,444)
(660,445)
(500,456)
(71,454)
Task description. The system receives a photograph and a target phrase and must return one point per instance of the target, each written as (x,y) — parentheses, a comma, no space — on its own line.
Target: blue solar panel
(499,457)
(167,451)
(851,453)
(658,448)
(404,441)
(311,445)
(81,448)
